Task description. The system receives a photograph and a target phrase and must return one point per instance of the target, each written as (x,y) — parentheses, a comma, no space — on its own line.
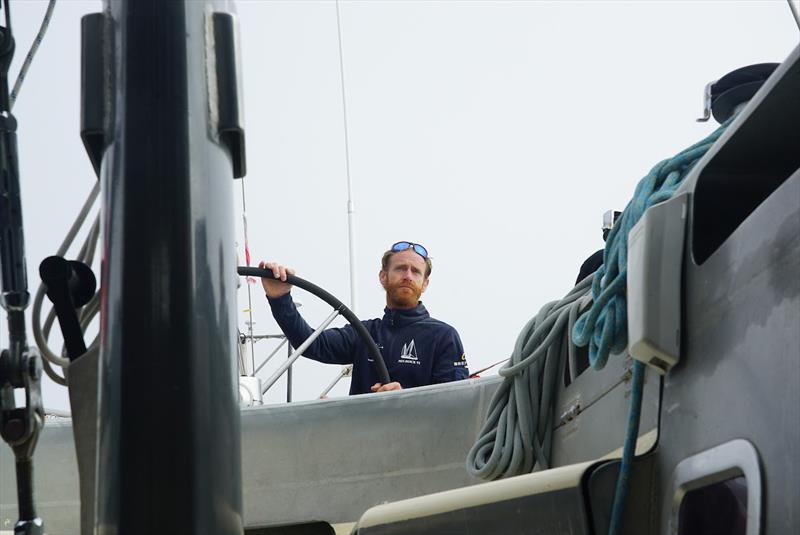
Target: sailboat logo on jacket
(409,353)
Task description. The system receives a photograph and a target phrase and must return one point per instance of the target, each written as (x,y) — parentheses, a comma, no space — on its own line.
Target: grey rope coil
(516,437)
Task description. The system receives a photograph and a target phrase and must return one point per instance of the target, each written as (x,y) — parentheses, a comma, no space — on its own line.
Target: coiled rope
(516,437)
(517,434)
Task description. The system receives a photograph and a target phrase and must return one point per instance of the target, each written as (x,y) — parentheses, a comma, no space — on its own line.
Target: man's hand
(377,387)
(273,286)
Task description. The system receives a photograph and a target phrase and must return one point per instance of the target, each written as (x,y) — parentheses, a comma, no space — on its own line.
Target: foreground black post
(165,135)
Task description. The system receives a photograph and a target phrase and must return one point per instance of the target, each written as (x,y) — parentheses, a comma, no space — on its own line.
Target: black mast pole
(166,147)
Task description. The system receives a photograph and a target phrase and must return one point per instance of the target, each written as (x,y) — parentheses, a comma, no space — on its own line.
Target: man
(418,350)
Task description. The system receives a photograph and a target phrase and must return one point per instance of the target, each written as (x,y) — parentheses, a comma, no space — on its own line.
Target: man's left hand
(377,387)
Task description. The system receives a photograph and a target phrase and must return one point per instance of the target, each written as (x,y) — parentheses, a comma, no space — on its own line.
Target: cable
(51,373)
(89,311)
(32,52)
(41,333)
(475,375)
(89,246)
(247,281)
(86,254)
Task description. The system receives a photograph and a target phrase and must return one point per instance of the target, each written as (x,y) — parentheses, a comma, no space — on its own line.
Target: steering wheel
(339,308)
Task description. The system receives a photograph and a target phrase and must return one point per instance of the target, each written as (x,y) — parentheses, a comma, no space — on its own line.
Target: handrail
(269,357)
(299,353)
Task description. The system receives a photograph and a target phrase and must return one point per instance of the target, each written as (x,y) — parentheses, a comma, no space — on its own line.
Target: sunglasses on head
(403,245)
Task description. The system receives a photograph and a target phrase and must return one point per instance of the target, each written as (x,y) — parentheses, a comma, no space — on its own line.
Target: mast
(167,141)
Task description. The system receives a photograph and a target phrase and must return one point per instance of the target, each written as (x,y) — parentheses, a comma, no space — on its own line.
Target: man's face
(404,279)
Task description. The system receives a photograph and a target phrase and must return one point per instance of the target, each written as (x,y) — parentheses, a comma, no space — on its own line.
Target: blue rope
(628,450)
(604,327)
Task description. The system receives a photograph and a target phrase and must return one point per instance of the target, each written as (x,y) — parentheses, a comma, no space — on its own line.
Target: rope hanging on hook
(604,327)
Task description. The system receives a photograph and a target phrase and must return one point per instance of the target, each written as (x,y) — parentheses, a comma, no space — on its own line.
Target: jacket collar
(400,317)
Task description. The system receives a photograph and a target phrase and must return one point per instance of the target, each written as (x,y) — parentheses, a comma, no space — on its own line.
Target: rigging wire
(475,375)
(32,52)
(347,369)
(248,281)
(42,340)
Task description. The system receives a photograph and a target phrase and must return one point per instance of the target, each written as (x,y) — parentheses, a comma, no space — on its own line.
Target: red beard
(403,294)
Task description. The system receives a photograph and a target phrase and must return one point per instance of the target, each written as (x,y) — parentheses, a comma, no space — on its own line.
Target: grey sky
(494,133)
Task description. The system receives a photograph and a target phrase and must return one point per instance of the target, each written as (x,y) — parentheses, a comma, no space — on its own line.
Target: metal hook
(706,103)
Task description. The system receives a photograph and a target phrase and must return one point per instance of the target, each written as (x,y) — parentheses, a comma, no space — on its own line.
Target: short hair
(389,254)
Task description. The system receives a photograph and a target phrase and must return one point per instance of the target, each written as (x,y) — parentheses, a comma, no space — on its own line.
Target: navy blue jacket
(418,350)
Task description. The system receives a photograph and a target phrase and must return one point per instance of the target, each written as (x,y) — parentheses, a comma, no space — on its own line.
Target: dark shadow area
(717,509)
(755,161)
(306,528)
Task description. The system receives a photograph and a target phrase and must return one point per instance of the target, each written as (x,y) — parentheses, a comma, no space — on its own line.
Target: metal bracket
(225,93)
(706,103)
(96,86)
(20,428)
